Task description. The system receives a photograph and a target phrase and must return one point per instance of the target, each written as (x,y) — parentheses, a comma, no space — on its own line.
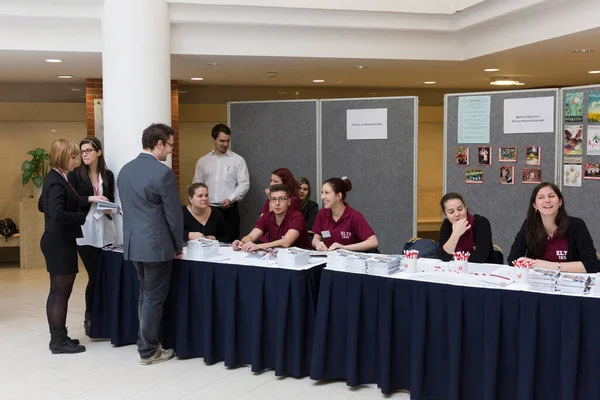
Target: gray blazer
(152,217)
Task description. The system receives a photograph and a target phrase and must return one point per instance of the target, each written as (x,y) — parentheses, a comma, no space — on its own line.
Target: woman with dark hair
(201,220)
(463,231)
(93,182)
(550,238)
(309,207)
(283,176)
(339,226)
(62,225)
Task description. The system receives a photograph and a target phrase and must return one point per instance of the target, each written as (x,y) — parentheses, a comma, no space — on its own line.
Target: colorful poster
(474,176)
(533,155)
(574,107)
(572,175)
(593,140)
(573,139)
(531,175)
(507,175)
(474,119)
(594,107)
(507,154)
(592,171)
(462,155)
(529,115)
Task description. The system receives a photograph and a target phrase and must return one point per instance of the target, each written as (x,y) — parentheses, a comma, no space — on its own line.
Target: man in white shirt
(226,175)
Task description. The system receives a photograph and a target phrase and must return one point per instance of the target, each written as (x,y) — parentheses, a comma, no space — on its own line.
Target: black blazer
(85,189)
(309,212)
(60,205)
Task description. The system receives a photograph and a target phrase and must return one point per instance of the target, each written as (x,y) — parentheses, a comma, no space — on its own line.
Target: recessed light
(212,64)
(75,90)
(594,72)
(359,66)
(582,51)
(318,80)
(297,93)
(429,82)
(64,76)
(491,69)
(53,60)
(519,83)
(197,79)
(504,81)
(53,130)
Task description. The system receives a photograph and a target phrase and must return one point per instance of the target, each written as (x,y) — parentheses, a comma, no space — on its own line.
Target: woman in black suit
(201,220)
(60,204)
(309,207)
(93,182)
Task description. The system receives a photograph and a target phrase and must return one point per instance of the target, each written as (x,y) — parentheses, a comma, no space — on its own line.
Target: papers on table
(573,283)
(364,262)
(543,279)
(383,264)
(316,253)
(266,255)
(108,206)
(202,249)
(292,257)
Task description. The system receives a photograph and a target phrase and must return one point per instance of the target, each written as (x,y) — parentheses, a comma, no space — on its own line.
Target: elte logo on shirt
(346,235)
(561,255)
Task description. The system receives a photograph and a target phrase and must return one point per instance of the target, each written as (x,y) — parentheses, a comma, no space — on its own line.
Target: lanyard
(65,176)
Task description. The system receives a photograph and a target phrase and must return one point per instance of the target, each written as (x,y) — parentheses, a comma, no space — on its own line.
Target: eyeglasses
(170,144)
(278,199)
(87,151)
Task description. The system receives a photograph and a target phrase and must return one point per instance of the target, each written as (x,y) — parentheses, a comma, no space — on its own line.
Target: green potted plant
(35,170)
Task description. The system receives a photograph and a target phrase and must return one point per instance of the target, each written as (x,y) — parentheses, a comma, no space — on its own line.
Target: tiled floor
(29,371)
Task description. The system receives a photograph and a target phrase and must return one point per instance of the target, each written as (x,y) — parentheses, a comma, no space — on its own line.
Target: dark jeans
(155,279)
(90,256)
(232,219)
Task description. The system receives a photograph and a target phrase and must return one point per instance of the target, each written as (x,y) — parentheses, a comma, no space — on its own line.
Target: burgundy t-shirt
(466,241)
(556,249)
(350,228)
(292,220)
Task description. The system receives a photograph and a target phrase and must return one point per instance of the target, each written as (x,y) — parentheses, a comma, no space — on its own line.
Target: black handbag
(8,228)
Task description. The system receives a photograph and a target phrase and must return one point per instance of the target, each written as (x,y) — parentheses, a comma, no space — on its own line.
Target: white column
(136,76)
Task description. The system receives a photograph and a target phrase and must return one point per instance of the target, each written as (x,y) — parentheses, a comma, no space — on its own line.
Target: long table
(455,342)
(262,316)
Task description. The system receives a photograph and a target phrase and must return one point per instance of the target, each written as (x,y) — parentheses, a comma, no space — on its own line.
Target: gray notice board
(271,135)
(383,171)
(582,201)
(504,205)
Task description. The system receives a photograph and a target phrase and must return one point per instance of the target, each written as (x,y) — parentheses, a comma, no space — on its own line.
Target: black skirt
(60,253)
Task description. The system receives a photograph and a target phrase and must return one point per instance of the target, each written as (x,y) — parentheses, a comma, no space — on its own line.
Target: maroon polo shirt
(350,228)
(295,204)
(467,242)
(556,249)
(292,220)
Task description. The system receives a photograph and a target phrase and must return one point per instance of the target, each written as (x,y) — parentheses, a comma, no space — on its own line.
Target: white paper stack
(381,264)
(202,248)
(573,283)
(543,279)
(292,257)
(108,206)
(337,258)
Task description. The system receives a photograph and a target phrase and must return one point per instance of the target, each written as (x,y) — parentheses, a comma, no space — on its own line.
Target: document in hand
(107,205)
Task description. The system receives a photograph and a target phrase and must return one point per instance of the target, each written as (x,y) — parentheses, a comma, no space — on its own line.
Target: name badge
(325,234)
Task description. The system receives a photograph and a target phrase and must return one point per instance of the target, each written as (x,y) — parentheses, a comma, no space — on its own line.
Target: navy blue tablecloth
(262,317)
(456,343)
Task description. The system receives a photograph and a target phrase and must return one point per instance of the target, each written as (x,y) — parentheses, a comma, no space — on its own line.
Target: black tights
(58,299)
(90,256)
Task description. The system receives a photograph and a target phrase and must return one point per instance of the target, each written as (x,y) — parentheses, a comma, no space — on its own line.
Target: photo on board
(532,175)
(507,154)
(507,175)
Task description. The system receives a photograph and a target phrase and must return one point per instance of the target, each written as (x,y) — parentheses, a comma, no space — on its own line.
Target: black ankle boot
(87,323)
(74,341)
(60,344)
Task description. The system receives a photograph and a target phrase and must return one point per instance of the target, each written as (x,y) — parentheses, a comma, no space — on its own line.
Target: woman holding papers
(339,226)
(309,208)
(199,219)
(550,238)
(93,182)
(463,231)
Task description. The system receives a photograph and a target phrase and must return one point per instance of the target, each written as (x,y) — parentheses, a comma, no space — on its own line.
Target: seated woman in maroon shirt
(339,226)
(550,238)
(281,227)
(463,231)
(283,176)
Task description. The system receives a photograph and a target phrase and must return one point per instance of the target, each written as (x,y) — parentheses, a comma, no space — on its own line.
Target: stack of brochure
(573,283)
(383,264)
(348,260)
(292,257)
(543,279)
(108,206)
(202,248)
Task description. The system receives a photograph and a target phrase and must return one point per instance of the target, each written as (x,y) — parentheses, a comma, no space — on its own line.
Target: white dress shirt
(98,231)
(226,176)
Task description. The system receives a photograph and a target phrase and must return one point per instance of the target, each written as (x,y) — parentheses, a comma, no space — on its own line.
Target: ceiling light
(64,76)
(429,82)
(318,80)
(53,130)
(53,60)
(504,81)
(491,69)
(519,83)
(594,72)
(359,66)
(75,90)
(212,64)
(197,79)
(582,51)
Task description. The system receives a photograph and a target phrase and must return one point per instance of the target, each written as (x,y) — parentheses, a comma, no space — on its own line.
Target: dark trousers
(155,279)
(232,219)
(90,256)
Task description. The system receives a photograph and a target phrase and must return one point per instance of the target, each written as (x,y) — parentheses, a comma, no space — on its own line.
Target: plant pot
(37,191)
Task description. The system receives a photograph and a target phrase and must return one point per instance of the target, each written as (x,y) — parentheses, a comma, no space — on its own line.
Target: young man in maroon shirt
(283,227)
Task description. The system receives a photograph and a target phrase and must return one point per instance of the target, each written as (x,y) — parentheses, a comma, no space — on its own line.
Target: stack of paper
(108,206)
(573,283)
(292,257)
(264,255)
(202,248)
(543,279)
(357,262)
(337,258)
(383,264)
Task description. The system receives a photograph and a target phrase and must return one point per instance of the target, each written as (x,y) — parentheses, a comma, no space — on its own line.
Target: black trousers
(232,219)
(90,256)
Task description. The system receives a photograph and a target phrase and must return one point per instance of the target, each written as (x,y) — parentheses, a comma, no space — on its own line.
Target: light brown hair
(60,153)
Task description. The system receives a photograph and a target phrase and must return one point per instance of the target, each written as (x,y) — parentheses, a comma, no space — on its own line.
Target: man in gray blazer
(152,232)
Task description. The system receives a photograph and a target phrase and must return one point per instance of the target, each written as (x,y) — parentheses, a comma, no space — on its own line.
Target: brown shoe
(160,356)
